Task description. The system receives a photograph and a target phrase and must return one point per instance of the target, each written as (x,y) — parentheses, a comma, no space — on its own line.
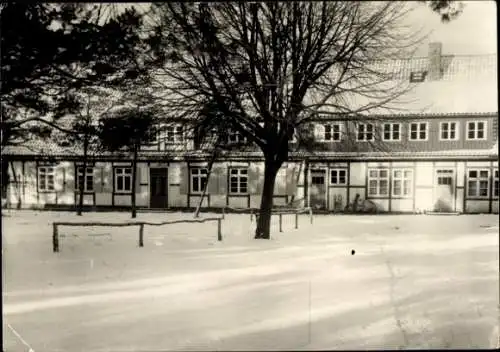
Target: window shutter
(280,182)
(59,178)
(70,179)
(138,178)
(254,179)
(108,177)
(184,179)
(222,178)
(291,180)
(98,172)
(213,181)
(319,132)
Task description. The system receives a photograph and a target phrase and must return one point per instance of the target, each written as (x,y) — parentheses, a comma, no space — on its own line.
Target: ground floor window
(88,183)
(478,183)
(378,182)
(338,176)
(495,183)
(238,181)
(123,179)
(402,182)
(199,177)
(46,176)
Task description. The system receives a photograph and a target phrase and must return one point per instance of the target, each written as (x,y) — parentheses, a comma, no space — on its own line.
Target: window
(332,132)
(89,179)
(199,178)
(449,131)
(478,183)
(46,176)
(378,182)
(365,132)
(476,130)
(238,181)
(495,183)
(392,132)
(402,182)
(235,137)
(174,134)
(123,179)
(418,131)
(338,176)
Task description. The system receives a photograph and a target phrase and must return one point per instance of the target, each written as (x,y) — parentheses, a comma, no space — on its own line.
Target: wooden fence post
(55,238)
(281,222)
(251,215)
(311,214)
(296,220)
(141,235)
(223,212)
(219,230)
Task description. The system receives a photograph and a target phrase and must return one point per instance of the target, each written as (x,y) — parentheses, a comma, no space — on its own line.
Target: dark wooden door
(159,188)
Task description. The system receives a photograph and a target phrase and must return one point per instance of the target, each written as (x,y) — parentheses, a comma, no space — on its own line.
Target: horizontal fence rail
(141,224)
(280,211)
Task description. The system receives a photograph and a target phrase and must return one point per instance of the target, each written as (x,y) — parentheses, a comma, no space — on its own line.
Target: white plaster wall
(424,174)
(460,174)
(405,205)
(175,199)
(238,202)
(123,200)
(479,164)
(460,199)
(357,174)
(382,204)
(337,191)
(195,200)
(494,206)
(103,199)
(424,199)
(477,206)
(217,201)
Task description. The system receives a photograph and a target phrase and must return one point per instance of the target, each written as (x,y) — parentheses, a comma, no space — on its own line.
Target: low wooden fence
(141,224)
(254,212)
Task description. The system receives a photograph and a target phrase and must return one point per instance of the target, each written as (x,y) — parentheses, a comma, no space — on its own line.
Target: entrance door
(158,188)
(444,193)
(318,189)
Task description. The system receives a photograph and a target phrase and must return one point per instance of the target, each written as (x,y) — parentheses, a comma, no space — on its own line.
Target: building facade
(439,154)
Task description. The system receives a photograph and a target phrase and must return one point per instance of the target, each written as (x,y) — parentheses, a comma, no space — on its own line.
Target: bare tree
(272,67)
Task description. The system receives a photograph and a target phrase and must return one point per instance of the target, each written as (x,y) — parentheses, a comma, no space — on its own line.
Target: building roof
(468,85)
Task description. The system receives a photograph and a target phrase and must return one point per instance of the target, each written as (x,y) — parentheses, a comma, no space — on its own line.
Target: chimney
(434,56)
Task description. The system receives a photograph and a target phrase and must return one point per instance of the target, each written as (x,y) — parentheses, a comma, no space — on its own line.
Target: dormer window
(235,137)
(417,76)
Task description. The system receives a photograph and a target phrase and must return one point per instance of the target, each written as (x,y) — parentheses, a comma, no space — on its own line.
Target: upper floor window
(418,131)
(476,130)
(392,132)
(478,183)
(449,131)
(338,176)
(46,177)
(332,132)
(378,182)
(88,182)
(238,181)
(199,178)
(123,179)
(174,134)
(365,132)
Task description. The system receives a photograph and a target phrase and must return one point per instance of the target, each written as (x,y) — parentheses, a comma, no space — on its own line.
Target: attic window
(418,76)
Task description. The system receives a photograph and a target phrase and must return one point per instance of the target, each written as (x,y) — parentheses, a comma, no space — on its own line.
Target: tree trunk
(210,165)
(81,183)
(266,205)
(134,176)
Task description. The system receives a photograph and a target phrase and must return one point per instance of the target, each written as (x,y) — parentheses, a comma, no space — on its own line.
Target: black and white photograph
(249,176)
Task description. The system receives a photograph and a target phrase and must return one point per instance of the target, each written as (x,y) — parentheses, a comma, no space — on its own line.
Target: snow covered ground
(413,282)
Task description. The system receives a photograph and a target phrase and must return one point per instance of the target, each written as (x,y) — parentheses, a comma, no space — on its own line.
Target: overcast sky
(474,32)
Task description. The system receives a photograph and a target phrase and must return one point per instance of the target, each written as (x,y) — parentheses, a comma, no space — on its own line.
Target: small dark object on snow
(396,227)
(352,252)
